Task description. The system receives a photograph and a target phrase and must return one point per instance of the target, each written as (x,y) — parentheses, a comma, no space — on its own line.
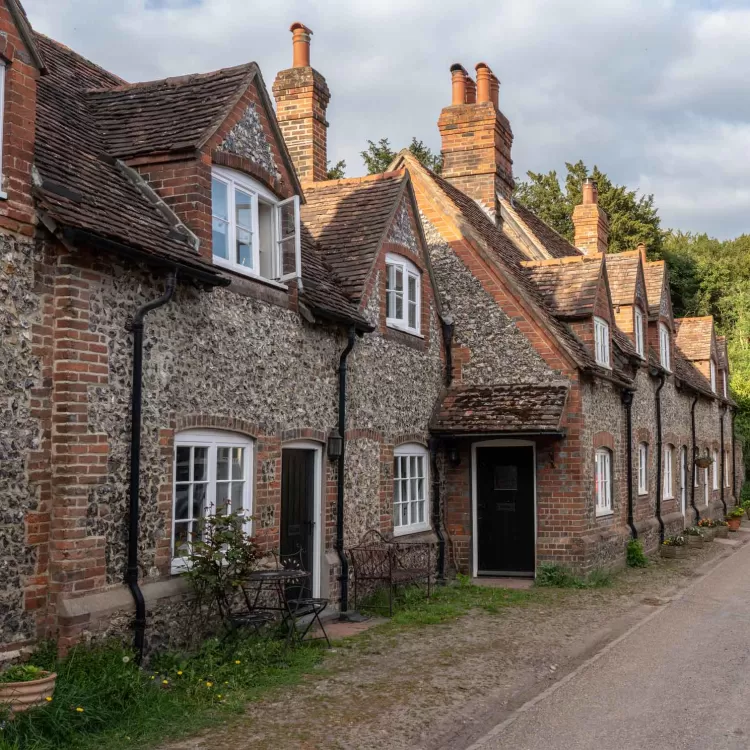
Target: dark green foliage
(558,576)
(21,673)
(636,557)
(337,171)
(378,156)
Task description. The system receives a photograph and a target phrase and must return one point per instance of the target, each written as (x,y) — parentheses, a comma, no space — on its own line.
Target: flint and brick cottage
(193,318)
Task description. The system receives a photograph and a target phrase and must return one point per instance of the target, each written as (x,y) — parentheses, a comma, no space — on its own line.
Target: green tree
(378,156)
(336,172)
(633,218)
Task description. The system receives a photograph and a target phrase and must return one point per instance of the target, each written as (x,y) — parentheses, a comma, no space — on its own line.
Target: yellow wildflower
(165,682)
(237,661)
(48,698)
(79,709)
(179,671)
(219,695)
(209,684)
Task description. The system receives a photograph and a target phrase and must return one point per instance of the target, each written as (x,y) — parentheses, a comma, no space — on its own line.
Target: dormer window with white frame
(712,371)
(601,342)
(664,348)
(253,232)
(638,332)
(724,379)
(403,294)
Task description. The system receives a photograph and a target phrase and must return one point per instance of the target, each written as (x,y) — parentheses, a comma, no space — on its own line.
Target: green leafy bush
(636,557)
(558,576)
(22,673)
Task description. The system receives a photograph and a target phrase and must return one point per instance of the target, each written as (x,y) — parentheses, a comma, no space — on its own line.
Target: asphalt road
(680,680)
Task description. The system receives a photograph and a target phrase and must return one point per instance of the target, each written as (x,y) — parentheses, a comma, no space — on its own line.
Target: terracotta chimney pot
(495,91)
(458,83)
(484,82)
(300,45)
(471,90)
(590,192)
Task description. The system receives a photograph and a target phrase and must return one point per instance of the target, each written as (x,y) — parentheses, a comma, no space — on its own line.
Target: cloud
(652,91)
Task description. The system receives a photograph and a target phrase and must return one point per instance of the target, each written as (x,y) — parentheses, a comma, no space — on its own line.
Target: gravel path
(443,686)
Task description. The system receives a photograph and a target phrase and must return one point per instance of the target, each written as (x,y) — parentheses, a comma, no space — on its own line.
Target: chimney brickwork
(302,98)
(477,139)
(590,221)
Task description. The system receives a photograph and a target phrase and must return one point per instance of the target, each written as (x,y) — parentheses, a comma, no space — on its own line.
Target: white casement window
(712,369)
(668,481)
(643,469)
(403,289)
(252,231)
(715,469)
(664,349)
(601,342)
(212,474)
(724,378)
(603,482)
(726,468)
(683,479)
(705,485)
(410,489)
(638,327)
(2,117)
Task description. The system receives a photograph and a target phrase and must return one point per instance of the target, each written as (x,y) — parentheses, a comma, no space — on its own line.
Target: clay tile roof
(693,336)
(623,343)
(173,114)
(622,272)
(82,188)
(348,219)
(508,408)
(555,244)
(690,376)
(567,287)
(654,275)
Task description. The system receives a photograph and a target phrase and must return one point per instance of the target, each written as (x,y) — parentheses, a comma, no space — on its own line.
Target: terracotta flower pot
(672,551)
(21,696)
(734,523)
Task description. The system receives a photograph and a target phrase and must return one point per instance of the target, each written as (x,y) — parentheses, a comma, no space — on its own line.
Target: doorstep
(506,582)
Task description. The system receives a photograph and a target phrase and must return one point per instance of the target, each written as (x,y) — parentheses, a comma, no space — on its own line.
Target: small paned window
(643,469)
(664,347)
(705,486)
(252,231)
(601,342)
(683,479)
(726,468)
(402,294)
(638,323)
(410,489)
(603,482)
(668,481)
(715,469)
(712,367)
(724,379)
(2,118)
(212,475)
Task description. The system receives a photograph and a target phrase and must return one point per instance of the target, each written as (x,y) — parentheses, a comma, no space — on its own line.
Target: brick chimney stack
(477,139)
(302,97)
(590,221)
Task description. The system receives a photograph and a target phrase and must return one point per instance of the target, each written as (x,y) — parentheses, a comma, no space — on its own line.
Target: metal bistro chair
(299,599)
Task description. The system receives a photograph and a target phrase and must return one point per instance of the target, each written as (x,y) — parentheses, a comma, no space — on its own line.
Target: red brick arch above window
(410,437)
(643,435)
(604,439)
(304,433)
(215,422)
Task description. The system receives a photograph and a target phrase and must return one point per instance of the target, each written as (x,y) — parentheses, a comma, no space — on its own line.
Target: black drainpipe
(448,328)
(436,509)
(695,453)
(131,576)
(723,457)
(627,400)
(659,457)
(344,577)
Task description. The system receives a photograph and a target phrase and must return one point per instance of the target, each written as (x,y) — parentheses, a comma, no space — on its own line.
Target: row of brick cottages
(408,352)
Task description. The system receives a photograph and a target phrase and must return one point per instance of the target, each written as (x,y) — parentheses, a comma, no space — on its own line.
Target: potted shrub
(673,546)
(708,527)
(693,536)
(722,529)
(24,686)
(734,518)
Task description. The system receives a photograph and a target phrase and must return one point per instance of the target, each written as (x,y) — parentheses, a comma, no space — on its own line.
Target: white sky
(655,92)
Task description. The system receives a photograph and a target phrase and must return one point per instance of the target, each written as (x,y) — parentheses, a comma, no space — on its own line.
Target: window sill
(399,531)
(249,275)
(604,513)
(3,196)
(402,329)
(643,493)
(604,365)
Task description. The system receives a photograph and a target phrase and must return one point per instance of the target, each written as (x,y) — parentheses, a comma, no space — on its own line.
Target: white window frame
(643,468)
(712,374)
(408,451)
(3,194)
(724,379)
(257,192)
(212,440)
(683,479)
(601,342)
(726,467)
(668,478)
(715,469)
(638,327)
(706,495)
(664,347)
(603,481)
(408,271)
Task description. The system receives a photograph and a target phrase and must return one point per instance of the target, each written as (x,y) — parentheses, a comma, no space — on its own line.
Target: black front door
(505,510)
(298,503)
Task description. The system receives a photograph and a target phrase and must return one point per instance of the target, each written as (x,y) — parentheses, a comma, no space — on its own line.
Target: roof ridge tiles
(568,259)
(393,174)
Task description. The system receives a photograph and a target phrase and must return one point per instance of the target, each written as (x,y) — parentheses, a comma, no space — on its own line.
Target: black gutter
(131,576)
(437,510)
(448,328)
(659,456)
(695,453)
(723,408)
(627,400)
(344,577)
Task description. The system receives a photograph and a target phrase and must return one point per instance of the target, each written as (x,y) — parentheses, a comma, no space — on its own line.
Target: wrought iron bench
(378,562)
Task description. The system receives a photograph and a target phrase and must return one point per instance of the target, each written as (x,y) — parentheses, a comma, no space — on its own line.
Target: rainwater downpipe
(723,457)
(344,576)
(659,457)
(437,509)
(695,453)
(627,400)
(131,576)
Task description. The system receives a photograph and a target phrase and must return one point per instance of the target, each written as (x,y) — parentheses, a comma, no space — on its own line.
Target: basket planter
(693,540)
(721,532)
(709,534)
(734,523)
(21,696)
(672,551)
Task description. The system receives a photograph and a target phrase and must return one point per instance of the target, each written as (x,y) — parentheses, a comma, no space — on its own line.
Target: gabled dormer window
(402,294)
(253,232)
(664,347)
(712,369)
(638,328)
(601,342)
